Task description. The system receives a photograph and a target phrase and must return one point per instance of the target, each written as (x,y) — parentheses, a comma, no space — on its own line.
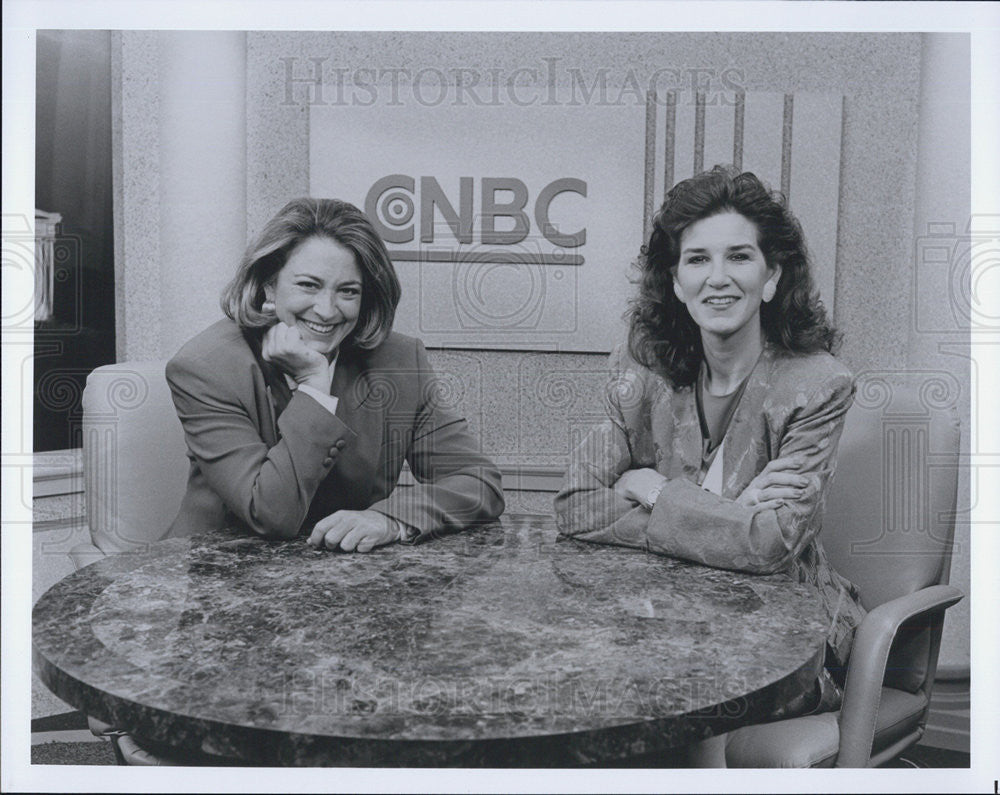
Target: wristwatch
(651,495)
(407,533)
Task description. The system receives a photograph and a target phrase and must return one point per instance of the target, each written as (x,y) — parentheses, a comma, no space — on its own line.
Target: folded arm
(588,506)
(691,523)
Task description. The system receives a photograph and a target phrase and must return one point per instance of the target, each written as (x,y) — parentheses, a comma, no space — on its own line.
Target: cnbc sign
(488,220)
(509,227)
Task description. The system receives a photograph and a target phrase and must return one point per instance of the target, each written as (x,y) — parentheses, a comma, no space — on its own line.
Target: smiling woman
(300,408)
(722,278)
(725,409)
(319,293)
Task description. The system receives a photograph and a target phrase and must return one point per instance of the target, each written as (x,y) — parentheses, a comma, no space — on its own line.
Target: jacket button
(327,462)
(340,444)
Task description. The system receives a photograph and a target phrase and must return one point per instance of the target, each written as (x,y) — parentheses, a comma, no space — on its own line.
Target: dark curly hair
(662,334)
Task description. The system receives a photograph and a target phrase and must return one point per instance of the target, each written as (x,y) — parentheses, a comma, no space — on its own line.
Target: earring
(768,292)
(268,307)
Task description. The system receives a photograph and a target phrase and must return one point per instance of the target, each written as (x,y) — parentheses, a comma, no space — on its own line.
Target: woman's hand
(637,484)
(283,347)
(352,531)
(777,482)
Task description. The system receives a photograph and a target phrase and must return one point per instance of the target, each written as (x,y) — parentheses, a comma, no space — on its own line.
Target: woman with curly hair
(725,409)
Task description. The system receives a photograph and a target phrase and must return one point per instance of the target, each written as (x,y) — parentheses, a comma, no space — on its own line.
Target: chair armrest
(866,669)
(85,553)
(100,728)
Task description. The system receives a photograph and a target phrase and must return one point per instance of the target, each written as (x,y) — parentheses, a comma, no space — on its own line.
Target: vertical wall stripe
(719,123)
(684,136)
(669,142)
(699,132)
(738,130)
(650,165)
(815,182)
(786,146)
(762,114)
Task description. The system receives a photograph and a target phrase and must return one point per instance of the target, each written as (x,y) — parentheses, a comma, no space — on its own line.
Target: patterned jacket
(792,405)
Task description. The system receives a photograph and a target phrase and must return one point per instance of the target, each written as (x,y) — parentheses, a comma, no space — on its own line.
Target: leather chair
(888,527)
(135,464)
(135,470)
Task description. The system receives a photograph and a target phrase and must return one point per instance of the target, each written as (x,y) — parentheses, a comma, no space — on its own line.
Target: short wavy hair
(295,223)
(662,334)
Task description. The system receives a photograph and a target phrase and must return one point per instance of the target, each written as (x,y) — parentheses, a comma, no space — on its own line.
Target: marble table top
(500,646)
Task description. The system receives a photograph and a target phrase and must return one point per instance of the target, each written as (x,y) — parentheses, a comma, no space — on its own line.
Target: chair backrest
(890,512)
(135,459)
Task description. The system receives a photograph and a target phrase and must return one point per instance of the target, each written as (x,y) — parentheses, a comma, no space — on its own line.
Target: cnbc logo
(508,226)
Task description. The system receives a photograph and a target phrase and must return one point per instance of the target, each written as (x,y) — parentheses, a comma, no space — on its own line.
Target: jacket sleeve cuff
(329,402)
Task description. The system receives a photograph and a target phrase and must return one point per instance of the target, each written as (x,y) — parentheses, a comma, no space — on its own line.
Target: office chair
(135,473)
(888,527)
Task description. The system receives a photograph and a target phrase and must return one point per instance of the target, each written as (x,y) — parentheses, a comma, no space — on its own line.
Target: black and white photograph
(500,396)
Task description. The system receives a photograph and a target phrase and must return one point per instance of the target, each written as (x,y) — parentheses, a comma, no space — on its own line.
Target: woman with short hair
(301,406)
(725,409)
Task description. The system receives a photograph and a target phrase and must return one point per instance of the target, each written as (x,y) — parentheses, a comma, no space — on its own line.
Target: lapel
(351,382)
(278,392)
(277,388)
(741,442)
(687,431)
(741,436)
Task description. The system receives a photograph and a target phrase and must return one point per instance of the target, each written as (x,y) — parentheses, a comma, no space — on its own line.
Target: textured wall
(942,298)
(878,75)
(135,139)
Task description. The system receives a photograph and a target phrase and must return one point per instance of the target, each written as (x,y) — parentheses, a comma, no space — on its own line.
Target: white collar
(293,384)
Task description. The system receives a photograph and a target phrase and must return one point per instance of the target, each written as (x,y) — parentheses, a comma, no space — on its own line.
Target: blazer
(276,461)
(792,404)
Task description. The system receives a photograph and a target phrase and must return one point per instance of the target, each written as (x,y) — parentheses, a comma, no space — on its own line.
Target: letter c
(548,193)
(391,211)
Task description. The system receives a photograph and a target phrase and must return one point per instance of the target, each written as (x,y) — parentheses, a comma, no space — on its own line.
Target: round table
(501,646)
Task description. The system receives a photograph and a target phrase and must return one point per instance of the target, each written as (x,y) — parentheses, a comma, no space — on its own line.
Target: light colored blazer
(269,457)
(792,404)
